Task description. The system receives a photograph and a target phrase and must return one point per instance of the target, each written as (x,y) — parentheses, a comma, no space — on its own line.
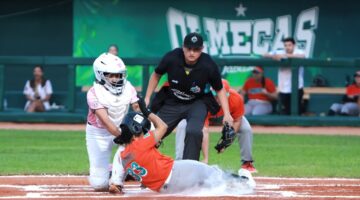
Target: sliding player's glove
(227,137)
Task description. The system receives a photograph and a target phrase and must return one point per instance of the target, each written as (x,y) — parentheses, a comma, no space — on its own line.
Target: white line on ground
(44,176)
(263,190)
(271,186)
(305,179)
(256,177)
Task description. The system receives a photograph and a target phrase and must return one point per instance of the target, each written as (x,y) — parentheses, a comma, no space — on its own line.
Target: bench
(14,111)
(16,100)
(321,98)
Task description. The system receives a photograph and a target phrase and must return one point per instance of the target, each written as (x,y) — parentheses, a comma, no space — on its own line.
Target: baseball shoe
(246,176)
(248,165)
(116,189)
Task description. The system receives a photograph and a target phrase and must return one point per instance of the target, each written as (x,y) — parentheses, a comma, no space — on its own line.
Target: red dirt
(76,187)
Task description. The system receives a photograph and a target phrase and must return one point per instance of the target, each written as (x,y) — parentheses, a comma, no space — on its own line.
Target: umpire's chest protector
(117,106)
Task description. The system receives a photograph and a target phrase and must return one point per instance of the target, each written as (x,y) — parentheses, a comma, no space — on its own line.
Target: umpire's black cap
(193,40)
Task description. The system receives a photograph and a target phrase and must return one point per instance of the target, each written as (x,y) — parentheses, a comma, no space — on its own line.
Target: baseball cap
(357,73)
(258,69)
(193,40)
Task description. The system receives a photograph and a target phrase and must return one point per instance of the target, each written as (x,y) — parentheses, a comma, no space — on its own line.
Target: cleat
(248,165)
(246,176)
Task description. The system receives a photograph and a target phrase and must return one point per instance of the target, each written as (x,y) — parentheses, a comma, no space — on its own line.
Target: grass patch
(64,152)
(42,152)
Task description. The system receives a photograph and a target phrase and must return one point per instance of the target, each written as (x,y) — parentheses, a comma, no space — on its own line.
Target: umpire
(190,75)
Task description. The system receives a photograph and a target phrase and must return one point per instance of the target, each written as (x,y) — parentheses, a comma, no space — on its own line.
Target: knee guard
(99,178)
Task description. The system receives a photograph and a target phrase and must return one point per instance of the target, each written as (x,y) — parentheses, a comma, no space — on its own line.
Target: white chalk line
(305,179)
(271,186)
(60,187)
(44,176)
(255,177)
(123,196)
(44,191)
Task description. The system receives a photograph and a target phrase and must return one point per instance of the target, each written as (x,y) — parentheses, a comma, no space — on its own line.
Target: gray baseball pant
(349,108)
(258,107)
(245,140)
(187,174)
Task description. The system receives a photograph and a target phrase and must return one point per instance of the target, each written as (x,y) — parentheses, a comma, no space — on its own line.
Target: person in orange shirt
(260,91)
(158,172)
(241,126)
(351,105)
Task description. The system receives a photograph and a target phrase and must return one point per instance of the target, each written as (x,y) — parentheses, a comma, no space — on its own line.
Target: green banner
(230,29)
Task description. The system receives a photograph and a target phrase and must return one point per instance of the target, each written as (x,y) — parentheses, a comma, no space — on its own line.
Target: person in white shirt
(38,92)
(284,75)
(113,49)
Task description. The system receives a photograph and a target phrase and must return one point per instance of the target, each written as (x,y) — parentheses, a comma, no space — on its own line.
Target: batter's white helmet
(107,64)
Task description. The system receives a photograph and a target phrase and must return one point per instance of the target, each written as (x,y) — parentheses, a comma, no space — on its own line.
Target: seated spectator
(113,49)
(260,92)
(351,102)
(38,92)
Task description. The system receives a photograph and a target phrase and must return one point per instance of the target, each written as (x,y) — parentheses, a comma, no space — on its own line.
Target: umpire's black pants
(172,112)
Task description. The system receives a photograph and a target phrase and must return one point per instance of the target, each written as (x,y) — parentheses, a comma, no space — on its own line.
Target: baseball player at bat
(109,100)
(158,172)
(241,128)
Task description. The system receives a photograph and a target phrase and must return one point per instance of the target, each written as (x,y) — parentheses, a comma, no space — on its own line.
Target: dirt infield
(256,129)
(76,187)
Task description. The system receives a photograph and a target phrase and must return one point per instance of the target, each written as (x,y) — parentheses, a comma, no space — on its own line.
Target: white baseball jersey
(284,74)
(42,91)
(117,106)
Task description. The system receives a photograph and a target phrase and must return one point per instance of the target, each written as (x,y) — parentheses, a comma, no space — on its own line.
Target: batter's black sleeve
(215,77)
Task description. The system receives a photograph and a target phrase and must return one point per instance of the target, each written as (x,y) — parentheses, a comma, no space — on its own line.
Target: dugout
(62,35)
(61,71)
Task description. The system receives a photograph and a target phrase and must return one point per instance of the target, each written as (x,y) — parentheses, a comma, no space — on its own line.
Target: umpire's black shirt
(187,87)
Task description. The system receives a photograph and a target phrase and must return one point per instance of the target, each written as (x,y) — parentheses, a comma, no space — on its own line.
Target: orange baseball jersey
(253,88)
(236,107)
(353,90)
(145,163)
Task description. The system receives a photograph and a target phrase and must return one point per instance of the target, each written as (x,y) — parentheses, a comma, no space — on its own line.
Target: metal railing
(71,62)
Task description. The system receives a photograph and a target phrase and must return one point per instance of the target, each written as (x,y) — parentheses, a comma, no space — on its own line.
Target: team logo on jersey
(195,89)
(256,90)
(136,171)
(182,95)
